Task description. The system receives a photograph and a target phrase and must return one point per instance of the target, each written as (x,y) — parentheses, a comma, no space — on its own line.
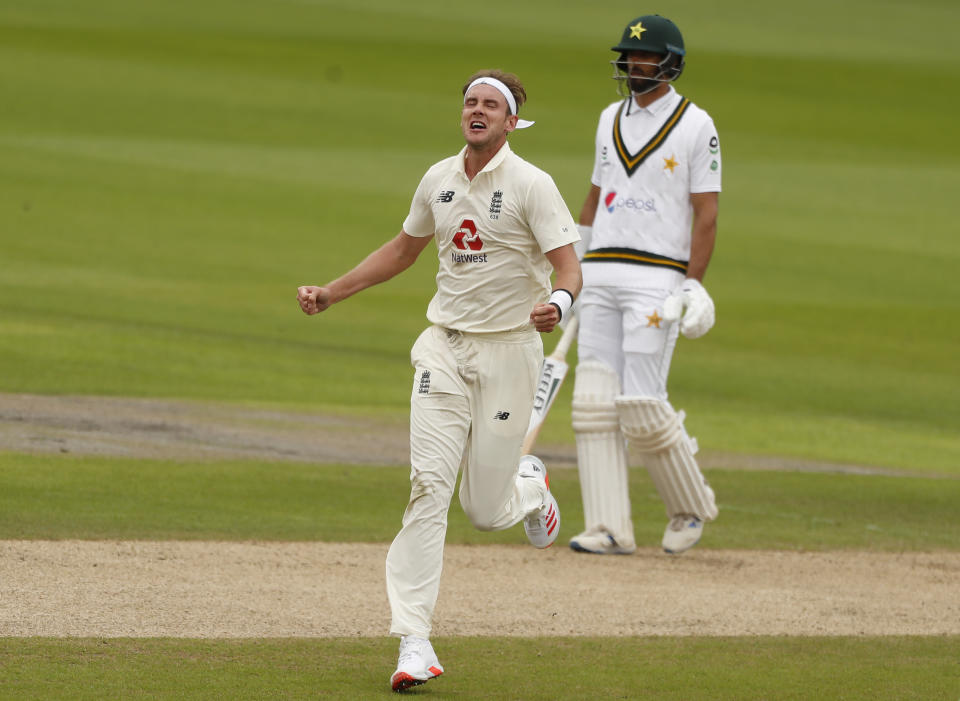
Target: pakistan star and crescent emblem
(636,30)
(670,163)
(654,319)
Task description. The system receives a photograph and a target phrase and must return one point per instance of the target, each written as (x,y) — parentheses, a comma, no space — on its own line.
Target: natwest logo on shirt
(613,203)
(467,236)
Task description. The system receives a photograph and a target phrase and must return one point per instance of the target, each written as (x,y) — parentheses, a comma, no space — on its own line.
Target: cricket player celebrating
(500,226)
(647,227)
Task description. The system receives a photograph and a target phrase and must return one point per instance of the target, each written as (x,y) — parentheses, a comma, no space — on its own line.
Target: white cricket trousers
(624,329)
(470,406)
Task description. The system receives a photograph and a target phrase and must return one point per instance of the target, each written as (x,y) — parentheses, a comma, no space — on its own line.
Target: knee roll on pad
(593,409)
(651,424)
(656,429)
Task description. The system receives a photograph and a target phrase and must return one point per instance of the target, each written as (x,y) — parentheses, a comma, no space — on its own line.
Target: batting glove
(692,307)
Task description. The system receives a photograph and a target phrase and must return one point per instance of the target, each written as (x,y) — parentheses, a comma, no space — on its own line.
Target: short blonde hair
(509,79)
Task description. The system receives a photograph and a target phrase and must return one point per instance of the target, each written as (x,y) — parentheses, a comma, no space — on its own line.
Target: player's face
(484,120)
(642,67)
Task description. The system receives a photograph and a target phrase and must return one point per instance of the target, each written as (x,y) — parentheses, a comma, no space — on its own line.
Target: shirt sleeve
(705,160)
(548,216)
(420,221)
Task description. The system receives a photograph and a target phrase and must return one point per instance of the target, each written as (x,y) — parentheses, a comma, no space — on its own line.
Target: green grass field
(565,668)
(171,171)
(96,498)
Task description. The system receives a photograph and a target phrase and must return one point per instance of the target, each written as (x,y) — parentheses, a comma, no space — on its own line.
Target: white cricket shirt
(491,234)
(648,161)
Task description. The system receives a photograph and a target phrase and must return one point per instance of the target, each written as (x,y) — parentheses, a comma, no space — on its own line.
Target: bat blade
(552,375)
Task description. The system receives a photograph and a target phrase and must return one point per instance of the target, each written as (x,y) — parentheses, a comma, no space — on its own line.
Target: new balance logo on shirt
(446,196)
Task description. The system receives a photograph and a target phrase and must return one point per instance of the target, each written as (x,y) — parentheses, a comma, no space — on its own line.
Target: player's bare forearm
(588,211)
(704,233)
(567,276)
(566,269)
(390,259)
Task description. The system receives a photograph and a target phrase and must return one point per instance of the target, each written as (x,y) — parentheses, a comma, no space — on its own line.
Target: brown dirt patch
(196,589)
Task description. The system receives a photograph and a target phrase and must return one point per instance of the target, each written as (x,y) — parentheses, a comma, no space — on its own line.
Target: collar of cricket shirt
(657,107)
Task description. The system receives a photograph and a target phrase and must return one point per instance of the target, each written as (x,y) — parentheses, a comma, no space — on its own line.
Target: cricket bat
(552,374)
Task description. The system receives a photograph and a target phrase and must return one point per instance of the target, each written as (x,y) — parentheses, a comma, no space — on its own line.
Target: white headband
(511,101)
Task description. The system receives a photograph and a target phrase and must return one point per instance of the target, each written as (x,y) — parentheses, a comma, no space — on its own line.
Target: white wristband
(562,299)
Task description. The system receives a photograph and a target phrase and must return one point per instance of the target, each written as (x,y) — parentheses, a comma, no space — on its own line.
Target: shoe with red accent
(417,664)
(543,525)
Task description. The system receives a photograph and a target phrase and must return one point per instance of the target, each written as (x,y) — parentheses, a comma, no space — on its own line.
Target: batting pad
(656,430)
(601,452)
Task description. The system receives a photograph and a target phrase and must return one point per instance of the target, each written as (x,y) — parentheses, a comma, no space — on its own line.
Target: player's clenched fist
(545,317)
(313,299)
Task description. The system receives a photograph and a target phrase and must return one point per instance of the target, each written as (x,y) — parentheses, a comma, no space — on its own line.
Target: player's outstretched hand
(692,306)
(545,317)
(313,299)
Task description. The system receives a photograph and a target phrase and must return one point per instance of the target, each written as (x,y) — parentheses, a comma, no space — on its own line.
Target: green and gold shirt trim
(632,161)
(629,255)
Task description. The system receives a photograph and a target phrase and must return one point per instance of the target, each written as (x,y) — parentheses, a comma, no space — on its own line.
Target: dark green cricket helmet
(651,33)
(654,34)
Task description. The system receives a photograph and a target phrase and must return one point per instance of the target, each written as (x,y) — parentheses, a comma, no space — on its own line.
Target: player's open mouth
(477,125)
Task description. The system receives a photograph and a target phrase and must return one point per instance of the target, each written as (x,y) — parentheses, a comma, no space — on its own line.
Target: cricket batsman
(648,227)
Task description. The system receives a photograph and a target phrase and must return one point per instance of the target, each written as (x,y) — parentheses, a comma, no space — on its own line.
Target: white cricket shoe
(683,532)
(417,664)
(599,541)
(543,525)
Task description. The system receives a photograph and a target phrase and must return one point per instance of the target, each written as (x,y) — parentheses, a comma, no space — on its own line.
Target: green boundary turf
(561,669)
(55,497)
